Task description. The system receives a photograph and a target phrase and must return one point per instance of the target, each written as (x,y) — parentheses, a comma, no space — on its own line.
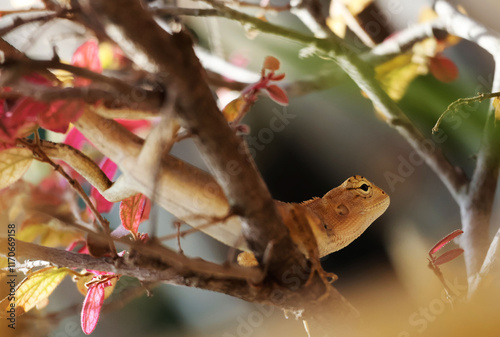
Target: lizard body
(189,193)
(335,220)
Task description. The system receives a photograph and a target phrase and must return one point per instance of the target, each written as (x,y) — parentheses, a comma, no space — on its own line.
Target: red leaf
(92,307)
(444,241)
(271,63)
(277,94)
(133,211)
(19,121)
(59,114)
(87,56)
(443,69)
(277,77)
(37,79)
(448,256)
(109,168)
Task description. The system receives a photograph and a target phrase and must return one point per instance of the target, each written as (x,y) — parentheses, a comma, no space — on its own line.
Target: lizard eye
(364,189)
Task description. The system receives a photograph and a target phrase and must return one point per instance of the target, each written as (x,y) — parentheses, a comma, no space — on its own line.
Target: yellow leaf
(51,234)
(396,75)
(496,105)
(337,25)
(34,289)
(80,283)
(234,108)
(427,14)
(82,288)
(13,163)
(106,54)
(357,6)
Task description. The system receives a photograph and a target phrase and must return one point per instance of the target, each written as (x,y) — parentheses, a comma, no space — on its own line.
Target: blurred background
(329,136)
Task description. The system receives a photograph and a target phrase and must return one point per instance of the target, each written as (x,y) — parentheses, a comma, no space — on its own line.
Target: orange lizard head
(345,212)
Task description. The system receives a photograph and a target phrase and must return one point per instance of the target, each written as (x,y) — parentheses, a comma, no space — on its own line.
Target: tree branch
(221,148)
(123,106)
(153,265)
(197,273)
(476,207)
(362,74)
(402,41)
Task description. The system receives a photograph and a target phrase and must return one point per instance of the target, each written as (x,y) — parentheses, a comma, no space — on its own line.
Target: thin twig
(402,41)
(40,155)
(18,22)
(339,7)
(199,12)
(37,65)
(456,105)
(211,222)
(311,14)
(267,7)
(477,205)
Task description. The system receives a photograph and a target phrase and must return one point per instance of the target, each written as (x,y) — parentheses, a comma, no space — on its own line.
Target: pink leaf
(448,256)
(277,94)
(59,114)
(444,241)
(443,69)
(133,125)
(75,139)
(92,307)
(133,211)
(109,168)
(87,56)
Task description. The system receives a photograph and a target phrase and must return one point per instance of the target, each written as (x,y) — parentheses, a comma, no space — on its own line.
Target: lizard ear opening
(342,210)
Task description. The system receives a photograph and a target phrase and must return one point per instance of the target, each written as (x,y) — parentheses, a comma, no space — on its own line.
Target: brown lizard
(188,192)
(336,219)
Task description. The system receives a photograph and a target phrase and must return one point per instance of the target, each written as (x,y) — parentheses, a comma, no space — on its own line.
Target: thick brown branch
(135,109)
(221,148)
(200,274)
(223,151)
(153,267)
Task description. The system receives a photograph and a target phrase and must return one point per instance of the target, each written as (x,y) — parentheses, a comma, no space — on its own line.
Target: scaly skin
(345,212)
(333,221)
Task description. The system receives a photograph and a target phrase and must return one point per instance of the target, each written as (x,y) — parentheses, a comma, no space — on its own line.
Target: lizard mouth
(381,205)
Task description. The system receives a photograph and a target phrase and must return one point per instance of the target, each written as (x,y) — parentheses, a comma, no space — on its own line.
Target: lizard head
(346,212)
